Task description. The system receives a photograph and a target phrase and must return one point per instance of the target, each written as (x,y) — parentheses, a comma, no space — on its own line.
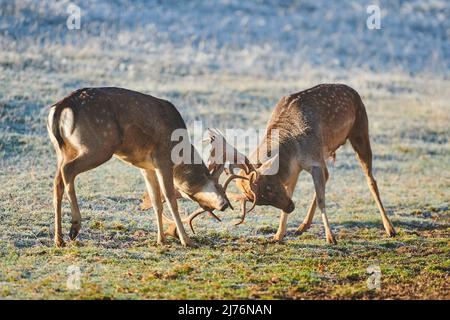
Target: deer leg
(279,236)
(388,227)
(319,177)
(70,170)
(284,216)
(306,224)
(69,183)
(58,191)
(147,203)
(361,145)
(154,193)
(165,178)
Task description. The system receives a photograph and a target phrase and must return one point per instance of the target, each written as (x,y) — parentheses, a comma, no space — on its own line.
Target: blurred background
(150,45)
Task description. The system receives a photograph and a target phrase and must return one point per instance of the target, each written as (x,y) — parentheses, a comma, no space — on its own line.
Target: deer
(311,125)
(216,166)
(91,125)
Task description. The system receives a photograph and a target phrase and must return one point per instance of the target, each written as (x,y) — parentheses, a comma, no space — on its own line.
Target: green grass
(224,266)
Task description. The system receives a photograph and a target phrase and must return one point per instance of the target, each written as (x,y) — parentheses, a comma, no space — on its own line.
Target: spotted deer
(91,125)
(311,125)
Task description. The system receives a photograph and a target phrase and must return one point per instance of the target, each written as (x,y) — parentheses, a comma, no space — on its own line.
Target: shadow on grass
(127,236)
(410,225)
(121,199)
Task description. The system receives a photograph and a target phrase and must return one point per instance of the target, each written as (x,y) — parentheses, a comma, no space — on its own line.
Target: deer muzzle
(225,204)
(290,207)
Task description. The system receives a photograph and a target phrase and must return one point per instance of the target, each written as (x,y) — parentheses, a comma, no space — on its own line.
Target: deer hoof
(391,232)
(278,238)
(331,239)
(161,242)
(172,231)
(59,242)
(302,228)
(188,243)
(74,230)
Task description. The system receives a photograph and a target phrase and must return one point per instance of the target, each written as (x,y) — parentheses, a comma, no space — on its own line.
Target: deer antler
(244,202)
(199,211)
(196,213)
(244,212)
(222,151)
(192,216)
(231,178)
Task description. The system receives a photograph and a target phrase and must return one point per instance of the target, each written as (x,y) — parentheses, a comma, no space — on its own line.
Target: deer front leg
(279,236)
(318,174)
(154,194)
(282,226)
(165,179)
(306,224)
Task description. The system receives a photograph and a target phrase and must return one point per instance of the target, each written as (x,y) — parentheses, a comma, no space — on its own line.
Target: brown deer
(311,125)
(91,125)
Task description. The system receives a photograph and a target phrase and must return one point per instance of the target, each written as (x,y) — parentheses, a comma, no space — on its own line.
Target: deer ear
(270,167)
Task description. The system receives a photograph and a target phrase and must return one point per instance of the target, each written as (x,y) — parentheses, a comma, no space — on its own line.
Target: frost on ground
(226,63)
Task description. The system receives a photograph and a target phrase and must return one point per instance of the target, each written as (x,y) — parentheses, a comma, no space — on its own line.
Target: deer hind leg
(165,179)
(154,193)
(306,224)
(319,177)
(70,169)
(284,216)
(361,145)
(58,191)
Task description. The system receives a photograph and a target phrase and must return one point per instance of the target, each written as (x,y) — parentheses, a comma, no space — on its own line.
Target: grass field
(116,253)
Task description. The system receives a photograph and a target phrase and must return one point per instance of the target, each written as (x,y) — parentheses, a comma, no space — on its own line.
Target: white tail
(91,125)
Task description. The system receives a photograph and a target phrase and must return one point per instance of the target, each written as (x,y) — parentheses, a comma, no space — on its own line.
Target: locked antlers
(225,158)
(189,220)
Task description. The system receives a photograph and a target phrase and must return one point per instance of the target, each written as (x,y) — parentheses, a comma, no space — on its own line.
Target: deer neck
(191,176)
(287,149)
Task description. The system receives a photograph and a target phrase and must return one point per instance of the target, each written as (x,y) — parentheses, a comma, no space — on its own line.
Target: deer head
(254,181)
(196,183)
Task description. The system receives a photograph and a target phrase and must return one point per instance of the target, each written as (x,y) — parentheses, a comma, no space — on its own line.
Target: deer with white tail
(311,126)
(91,125)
